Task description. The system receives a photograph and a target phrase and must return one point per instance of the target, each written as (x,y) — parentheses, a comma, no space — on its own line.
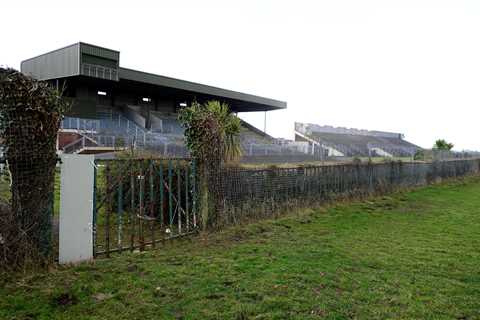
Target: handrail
(66,148)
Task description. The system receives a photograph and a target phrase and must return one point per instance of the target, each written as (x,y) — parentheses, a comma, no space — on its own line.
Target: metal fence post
(194,193)
(141,213)
(152,203)
(161,187)
(109,191)
(170,195)
(132,209)
(187,222)
(179,198)
(119,214)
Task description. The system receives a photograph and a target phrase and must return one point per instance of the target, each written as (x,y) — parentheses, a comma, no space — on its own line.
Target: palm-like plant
(442,144)
(230,127)
(211,135)
(211,131)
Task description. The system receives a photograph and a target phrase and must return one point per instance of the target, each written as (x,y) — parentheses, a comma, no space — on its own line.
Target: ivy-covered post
(211,135)
(30,115)
(203,196)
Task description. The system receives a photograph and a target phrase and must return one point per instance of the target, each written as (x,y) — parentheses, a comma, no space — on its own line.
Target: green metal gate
(141,202)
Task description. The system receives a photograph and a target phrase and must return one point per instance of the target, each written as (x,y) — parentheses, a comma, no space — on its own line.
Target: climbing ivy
(211,132)
(211,135)
(30,115)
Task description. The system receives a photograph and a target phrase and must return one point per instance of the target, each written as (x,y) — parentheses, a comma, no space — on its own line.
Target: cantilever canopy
(94,65)
(239,102)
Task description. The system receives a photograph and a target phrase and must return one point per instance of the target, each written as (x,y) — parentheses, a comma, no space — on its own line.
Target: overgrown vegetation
(442,144)
(419,155)
(211,136)
(211,132)
(30,115)
(407,256)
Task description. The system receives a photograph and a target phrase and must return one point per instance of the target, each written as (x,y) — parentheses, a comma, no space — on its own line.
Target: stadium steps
(353,145)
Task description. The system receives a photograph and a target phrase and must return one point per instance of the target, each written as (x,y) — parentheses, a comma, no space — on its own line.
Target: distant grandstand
(115,108)
(345,142)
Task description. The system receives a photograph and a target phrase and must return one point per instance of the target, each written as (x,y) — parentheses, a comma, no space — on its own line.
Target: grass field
(412,255)
(323,163)
(5,194)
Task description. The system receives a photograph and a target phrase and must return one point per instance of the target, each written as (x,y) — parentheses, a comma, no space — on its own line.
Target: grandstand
(113,131)
(116,108)
(346,142)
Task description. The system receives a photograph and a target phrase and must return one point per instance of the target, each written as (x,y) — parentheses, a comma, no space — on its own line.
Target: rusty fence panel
(140,202)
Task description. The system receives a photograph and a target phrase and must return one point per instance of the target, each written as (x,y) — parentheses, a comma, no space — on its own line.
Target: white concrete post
(76,208)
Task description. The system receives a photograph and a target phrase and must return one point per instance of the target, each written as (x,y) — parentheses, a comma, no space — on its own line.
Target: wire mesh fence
(243,194)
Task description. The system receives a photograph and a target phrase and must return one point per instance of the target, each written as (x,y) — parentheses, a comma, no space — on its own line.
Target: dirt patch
(64,299)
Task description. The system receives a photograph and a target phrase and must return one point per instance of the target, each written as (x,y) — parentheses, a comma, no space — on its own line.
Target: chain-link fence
(243,194)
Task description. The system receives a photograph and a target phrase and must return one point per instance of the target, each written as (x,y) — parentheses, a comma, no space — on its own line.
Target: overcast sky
(402,66)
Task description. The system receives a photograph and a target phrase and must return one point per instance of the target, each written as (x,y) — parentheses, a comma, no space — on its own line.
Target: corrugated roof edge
(93,45)
(71,45)
(197,87)
(52,51)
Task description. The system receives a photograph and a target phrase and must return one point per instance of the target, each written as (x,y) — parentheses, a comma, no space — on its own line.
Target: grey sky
(404,66)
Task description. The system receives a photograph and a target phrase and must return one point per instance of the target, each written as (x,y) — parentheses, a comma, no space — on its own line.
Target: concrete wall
(65,138)
(132,113)
(76,208)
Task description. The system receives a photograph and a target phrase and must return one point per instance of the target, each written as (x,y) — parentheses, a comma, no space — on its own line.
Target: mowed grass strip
(412,255)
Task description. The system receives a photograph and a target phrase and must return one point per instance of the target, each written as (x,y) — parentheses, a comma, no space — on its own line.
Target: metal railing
(112,125)
(97,71)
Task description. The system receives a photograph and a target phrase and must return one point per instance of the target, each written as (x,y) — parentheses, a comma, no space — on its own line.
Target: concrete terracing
(355,142)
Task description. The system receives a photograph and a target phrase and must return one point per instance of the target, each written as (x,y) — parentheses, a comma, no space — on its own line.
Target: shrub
(30,115)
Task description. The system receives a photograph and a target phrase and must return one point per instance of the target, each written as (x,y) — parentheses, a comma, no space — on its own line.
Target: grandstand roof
(82,60)
(247,102)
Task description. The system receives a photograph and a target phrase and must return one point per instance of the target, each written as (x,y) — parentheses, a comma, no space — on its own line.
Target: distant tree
(419,155)
(442,144)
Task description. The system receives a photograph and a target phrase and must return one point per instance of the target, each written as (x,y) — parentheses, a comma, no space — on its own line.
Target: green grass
(347,160)
(412,255)
(5,193)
